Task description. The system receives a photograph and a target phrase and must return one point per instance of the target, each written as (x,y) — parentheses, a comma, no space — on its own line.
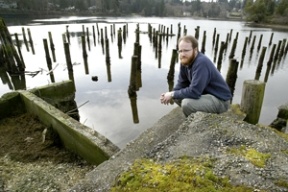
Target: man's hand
(165,98)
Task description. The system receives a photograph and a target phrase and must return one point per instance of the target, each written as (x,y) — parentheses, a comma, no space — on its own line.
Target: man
(200,85)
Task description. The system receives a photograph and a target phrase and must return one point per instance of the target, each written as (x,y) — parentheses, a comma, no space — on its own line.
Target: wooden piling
(282,49)
(260,63)
(271,38)
(253,43)
(244,48)
(48,60)
(260,42)
(19,51)
(277,51)
(52,46)
(252,99)
(94,35)
(88,38)
(84,53)
(231,76)
(203,43)
(25,39)
(67,33)
(31,41)
(233,49)
(9,50)
(171,72)
(69,62)
(214,36)
(220,56)
(107,59)
(250,36)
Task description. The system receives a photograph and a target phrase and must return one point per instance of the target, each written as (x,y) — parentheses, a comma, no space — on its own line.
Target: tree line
(252,10)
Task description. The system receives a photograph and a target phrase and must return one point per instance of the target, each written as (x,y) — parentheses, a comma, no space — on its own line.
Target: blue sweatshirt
(199,78)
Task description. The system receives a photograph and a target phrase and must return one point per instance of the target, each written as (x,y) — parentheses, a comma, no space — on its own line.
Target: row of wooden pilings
(157,37)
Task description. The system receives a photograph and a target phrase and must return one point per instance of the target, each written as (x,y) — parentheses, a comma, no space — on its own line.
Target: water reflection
(155,65)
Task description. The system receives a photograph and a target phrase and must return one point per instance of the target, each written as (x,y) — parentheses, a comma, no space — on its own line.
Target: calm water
(108,107)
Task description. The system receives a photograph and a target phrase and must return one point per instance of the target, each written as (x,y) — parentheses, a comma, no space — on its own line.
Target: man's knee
(187,108)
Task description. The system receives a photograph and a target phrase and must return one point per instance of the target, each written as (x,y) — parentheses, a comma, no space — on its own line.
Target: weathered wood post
(230,36)
(277,50)
(252,99)
(67,34)
(124,33)
(243,52)
(282,49)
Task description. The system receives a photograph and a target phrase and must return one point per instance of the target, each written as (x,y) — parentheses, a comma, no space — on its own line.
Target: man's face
(186,53)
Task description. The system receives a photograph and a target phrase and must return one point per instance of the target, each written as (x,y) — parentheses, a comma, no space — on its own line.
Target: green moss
(184,174)
(255,157)
(282,183)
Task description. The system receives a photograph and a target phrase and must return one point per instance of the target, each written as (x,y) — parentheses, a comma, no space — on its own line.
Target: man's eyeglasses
(184,50)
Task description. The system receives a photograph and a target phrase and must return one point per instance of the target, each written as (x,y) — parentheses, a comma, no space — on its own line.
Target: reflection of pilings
(133,103)
(48,60)
(260,42)
(132,85)
(203,43)
(25,39)
(220,56)
(231,76)
(19,51)
(31,41)
(84,52)
(108,64)
(52,47)
(269,63)
(271,38)
(252,99)
(139,69)
(260,63)
(171,72)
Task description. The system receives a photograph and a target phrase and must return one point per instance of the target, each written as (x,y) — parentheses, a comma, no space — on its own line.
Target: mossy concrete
(41,101)
(75,136)
(11,105)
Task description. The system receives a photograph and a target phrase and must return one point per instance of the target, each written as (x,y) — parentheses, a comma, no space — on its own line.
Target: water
(108,107)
